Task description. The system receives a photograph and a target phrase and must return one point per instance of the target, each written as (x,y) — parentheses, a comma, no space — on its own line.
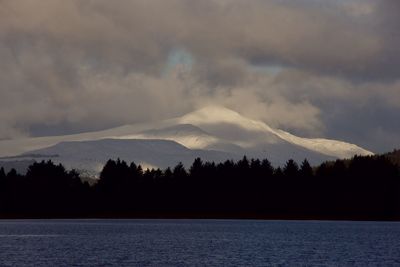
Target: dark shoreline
(362,189)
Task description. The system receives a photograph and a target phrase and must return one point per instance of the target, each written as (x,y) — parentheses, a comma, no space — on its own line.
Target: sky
(315,68)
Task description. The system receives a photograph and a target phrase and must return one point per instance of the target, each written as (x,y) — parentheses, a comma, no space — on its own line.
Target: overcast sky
(314,67)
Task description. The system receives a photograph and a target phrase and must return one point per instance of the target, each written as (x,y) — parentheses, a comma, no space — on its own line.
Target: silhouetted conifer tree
(179,172)
(267,168)
(306,170)
(291,169)
(168,173)
(196,170)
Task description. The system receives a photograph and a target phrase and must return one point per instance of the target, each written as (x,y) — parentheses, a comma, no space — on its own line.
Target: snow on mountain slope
(209,116)
(328,147)
(185,134)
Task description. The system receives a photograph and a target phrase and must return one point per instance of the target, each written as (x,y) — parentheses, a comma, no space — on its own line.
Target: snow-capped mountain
(213,133)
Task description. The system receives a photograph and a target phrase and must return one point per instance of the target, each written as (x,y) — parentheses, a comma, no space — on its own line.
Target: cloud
(297,65)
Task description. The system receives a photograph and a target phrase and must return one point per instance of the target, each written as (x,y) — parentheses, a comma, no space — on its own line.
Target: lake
(198,243)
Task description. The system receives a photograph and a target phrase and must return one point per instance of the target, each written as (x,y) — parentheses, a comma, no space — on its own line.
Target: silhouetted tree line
(360,188)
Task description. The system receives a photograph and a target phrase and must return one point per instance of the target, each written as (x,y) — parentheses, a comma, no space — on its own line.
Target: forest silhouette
(362,188)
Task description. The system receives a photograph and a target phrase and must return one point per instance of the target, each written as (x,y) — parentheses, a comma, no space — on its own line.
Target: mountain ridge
(208,131)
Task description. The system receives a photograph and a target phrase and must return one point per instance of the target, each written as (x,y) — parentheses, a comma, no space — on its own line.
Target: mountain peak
(211,113)
(219,114)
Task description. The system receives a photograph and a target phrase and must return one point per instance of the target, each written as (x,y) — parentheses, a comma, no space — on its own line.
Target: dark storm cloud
(95,64)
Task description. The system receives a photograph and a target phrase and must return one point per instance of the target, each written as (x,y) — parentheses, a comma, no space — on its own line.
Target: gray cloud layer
(315,68)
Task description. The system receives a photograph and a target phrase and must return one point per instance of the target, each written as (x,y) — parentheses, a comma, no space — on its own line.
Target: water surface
(198,243)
